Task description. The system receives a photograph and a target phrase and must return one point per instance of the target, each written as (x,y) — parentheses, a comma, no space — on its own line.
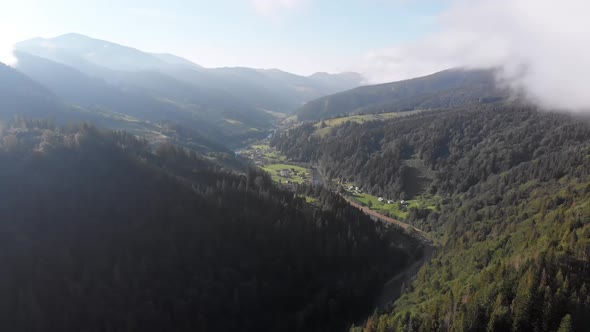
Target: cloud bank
(541,47)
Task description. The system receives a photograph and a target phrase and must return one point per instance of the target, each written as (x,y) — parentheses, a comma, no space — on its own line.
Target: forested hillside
(515,254)
(514,222)
(100,233)
(438,152)
(447,89)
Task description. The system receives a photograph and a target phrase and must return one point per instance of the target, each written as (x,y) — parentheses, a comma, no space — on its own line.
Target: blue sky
(301,36)
(385,40)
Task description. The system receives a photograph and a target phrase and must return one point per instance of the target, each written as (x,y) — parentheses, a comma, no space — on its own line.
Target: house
(350,188)
(389,201)
(380,199)
(356,188)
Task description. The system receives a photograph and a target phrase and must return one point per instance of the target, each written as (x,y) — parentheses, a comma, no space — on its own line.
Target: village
(355,191)
(267,158)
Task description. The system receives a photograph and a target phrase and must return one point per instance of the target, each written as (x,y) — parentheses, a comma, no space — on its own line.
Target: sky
(541,47)
(300,36)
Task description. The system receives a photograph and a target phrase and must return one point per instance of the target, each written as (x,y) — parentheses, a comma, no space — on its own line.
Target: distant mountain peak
(65,48)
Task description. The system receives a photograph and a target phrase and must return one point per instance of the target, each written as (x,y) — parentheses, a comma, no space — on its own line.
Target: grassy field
(332,123)
(276,164)
(294,175)
(395,209)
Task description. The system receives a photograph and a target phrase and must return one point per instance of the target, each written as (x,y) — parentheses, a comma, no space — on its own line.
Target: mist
(7,56)
(540,46)
(8,37)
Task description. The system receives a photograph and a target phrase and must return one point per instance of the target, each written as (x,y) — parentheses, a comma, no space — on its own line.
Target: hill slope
(21,94)
(101,233)
(512,219)
(75,97)
(446,89)
(149,97)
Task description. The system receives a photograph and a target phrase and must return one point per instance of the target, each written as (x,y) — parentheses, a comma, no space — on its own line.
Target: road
(382,217)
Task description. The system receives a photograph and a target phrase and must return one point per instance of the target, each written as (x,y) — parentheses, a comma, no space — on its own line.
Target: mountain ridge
(446,89)
(93,56)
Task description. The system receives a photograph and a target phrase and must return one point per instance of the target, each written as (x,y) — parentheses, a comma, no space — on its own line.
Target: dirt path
(418,233)
(382,217)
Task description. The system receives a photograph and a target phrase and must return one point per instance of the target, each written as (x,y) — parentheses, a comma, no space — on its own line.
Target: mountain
(504,192)
(71,84)
(339,82)
(101,232)
(101,53)
(268,90)
(21,94)
(149,96)
(74,97)
(446,89)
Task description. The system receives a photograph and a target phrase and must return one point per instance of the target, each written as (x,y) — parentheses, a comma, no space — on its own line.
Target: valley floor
(289,174)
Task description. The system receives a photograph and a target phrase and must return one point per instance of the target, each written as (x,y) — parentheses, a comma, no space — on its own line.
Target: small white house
(350,188)
(356,188)
(380,199)
(389,201)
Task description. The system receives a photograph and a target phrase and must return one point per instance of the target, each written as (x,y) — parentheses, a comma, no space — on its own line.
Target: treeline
(101,233)
(438,152)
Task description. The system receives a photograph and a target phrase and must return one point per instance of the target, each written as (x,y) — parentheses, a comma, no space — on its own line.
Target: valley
(295,166)
(291,175)
(413,206)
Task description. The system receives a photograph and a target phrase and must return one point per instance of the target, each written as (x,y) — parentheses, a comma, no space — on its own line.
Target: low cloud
(7,41)
(541,47)
(7,57)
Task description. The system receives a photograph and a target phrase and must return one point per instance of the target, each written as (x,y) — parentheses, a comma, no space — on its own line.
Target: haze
(541,46)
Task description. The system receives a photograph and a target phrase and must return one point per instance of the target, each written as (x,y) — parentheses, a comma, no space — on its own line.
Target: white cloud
(272,8)
(16,21)
(7,41)
(541,45)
